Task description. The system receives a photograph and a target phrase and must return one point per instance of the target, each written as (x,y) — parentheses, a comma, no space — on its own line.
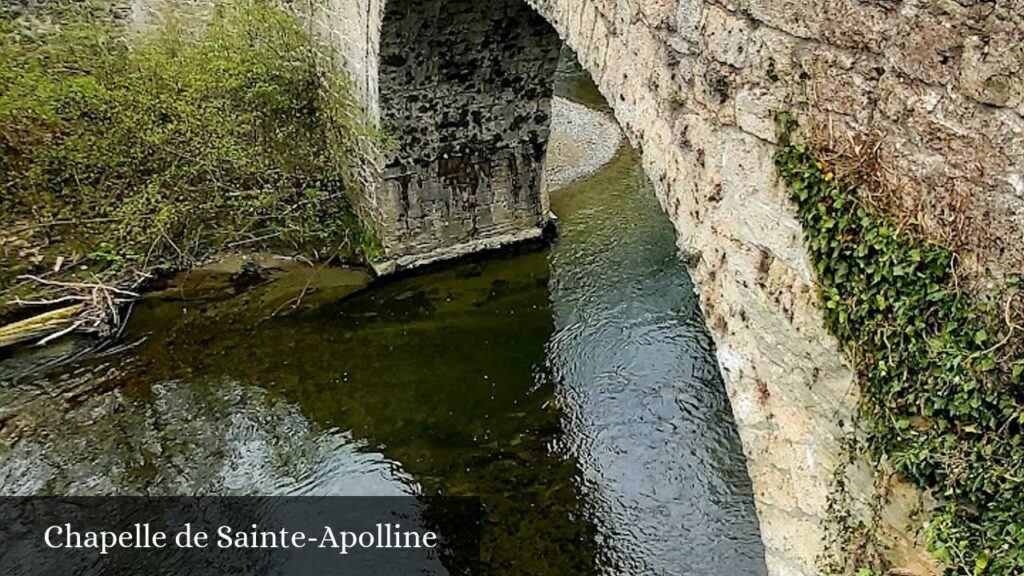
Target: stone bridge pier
(464,89)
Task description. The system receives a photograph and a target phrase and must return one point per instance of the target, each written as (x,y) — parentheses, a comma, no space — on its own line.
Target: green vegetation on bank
(941,371)
(133,151)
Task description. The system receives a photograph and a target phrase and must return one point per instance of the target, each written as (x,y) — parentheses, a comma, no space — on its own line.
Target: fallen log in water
(97,311)
(45,327)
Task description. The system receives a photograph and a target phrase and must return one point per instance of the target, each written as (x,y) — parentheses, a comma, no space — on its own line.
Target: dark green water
(573,389)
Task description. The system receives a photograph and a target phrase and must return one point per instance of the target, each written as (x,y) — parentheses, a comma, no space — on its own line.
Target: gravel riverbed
(582,141)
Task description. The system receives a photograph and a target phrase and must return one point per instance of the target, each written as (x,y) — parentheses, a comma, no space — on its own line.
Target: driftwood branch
(96,308)
(80,285)
(48,326)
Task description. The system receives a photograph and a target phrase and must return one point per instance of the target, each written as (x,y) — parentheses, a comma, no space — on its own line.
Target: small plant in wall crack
(852,544)
(941,370)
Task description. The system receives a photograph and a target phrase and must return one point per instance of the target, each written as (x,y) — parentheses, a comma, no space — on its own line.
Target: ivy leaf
(981,564)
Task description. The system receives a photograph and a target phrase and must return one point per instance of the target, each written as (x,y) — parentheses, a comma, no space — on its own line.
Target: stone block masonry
(465,87)
(696,83)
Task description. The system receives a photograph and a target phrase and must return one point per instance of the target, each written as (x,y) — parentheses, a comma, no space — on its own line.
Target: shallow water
(645,409)
(573,389)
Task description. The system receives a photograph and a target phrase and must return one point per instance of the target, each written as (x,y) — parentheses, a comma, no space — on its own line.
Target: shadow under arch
(464,87)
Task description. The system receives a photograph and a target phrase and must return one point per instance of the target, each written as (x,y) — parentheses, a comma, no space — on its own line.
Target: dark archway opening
(465,89)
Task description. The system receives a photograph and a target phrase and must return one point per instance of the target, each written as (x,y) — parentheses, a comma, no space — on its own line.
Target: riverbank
(583,140)
(127,157)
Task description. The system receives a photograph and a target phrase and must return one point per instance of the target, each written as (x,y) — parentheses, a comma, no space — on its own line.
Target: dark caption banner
(259,536)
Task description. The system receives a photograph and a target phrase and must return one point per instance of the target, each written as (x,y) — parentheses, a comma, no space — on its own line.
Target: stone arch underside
(695,84)
(464,87)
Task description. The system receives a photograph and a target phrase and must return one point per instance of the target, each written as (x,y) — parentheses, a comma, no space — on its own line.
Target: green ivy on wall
(940,370)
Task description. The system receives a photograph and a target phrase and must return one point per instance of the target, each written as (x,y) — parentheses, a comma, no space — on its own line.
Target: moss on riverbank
(124,155)
(941,370)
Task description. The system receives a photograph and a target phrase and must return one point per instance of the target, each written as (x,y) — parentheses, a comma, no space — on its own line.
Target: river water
(572,388)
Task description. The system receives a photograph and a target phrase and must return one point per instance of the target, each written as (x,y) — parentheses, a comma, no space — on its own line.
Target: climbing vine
(940,369)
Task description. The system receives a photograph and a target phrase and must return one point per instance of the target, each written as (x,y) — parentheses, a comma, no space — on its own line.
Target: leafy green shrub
(940,372)
(202,133)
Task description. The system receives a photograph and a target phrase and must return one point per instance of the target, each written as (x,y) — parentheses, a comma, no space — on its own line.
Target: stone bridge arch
(465,88)
(695,84)
(715,181)
(667,69)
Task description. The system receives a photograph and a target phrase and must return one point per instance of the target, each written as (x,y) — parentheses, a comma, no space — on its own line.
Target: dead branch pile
(87,307)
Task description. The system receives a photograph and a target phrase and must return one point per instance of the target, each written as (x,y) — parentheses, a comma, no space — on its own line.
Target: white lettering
(328,535)
(46,536)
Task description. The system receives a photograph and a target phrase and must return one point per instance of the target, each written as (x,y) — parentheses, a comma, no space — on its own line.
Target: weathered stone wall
(695,84)
(349,34)
(465,87)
